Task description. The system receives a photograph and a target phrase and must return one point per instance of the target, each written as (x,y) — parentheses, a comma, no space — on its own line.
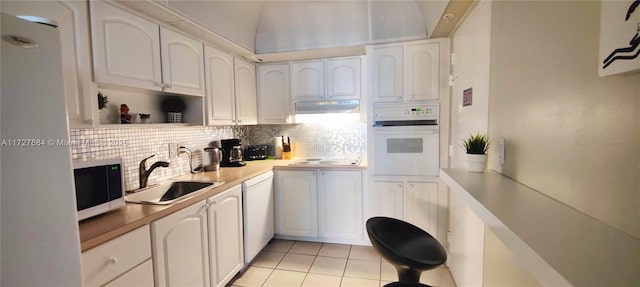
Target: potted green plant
(476,147)
(173,106)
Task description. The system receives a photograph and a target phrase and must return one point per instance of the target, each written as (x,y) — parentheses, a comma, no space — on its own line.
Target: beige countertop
(558,244)
(100,229)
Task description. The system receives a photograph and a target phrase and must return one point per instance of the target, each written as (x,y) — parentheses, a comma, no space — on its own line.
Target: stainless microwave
(99,186)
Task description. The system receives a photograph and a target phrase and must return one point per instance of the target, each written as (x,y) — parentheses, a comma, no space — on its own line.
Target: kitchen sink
(169,192)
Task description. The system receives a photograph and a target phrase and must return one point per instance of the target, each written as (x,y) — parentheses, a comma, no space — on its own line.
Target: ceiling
(270,26)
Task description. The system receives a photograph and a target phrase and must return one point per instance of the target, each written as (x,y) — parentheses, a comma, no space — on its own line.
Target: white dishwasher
(259,220)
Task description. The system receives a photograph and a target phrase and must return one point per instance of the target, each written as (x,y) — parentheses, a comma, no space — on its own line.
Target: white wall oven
(406,140)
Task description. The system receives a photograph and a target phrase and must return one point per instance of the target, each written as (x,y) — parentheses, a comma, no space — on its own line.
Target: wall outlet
(500,151)
(173,150)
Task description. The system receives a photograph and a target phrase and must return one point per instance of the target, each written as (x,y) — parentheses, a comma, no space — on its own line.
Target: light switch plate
(173,150)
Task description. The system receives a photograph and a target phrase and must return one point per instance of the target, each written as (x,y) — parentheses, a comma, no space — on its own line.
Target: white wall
(471,44)
(570,134)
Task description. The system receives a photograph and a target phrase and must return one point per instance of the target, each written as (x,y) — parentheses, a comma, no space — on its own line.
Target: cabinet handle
(313,173)
(399,98)
(239,121)
(399,185)
(168,86)
(161,85)
(113,260)
(410,185)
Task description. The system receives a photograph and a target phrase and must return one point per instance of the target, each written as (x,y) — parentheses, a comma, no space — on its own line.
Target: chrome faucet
(144,173)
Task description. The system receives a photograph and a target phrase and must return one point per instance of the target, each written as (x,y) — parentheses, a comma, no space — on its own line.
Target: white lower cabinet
(412,201)
(180,247)
(124,261)
(226,252)
(321,204)
(142,275)
(340,204)
(296,203)
(201,245)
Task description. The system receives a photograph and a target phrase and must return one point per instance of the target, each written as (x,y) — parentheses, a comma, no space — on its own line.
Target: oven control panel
(406,112)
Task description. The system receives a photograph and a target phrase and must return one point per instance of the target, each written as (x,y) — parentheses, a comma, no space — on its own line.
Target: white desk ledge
(559,245)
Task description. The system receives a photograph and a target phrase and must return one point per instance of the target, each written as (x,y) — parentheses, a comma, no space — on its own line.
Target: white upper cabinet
(246,99)
(386,76)
(182,63)
(273,94)
(405,72)
(231,89)
(329,79)
(307,81)
(421,72)
(73,26)
(126,48)
(134,52)
(343,79)
(220,96)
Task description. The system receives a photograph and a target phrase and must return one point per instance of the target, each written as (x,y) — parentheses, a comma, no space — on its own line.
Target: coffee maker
(232,153)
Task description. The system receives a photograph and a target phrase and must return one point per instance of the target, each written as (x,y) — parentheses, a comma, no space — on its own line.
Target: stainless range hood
(325,107)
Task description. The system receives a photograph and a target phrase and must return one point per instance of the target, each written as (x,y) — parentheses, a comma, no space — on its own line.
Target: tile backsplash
(347,139)
(136,142)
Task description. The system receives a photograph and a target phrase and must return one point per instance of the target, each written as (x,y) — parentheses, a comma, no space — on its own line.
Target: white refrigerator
(39,238)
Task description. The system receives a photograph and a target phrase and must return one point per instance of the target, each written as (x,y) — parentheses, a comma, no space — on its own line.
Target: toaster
(256,152)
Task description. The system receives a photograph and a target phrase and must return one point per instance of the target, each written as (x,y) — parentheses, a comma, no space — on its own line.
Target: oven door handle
(405,129)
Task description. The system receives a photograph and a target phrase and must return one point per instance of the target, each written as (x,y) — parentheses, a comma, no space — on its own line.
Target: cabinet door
(182,64)
(340,204)
(180,248)
(296,203)
(219,99)
(72,18)
(386,75)
(421,72)
(307,81)
(389,199)
(126,48)
(246,98)
(421,208)
(225,235)
(343,79)
(273,94)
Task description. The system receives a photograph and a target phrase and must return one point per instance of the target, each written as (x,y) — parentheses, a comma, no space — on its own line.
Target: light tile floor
(285,263)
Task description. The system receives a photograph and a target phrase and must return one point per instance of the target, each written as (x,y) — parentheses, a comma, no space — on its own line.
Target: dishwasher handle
(258,179)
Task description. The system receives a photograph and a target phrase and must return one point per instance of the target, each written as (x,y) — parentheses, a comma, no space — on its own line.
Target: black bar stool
(408,248)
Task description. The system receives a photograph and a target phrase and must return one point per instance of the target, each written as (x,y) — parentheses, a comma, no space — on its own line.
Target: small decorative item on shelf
(145,118)
(173,106)
(102,104)
(102,101)
(476,147)
(125,117)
